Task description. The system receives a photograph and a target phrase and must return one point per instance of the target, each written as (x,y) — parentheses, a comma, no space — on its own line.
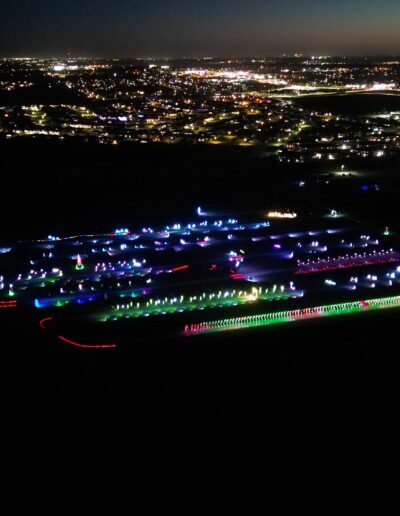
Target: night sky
(176,28)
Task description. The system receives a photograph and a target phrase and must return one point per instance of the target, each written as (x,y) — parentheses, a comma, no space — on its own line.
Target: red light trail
(87,346)
(72,342)
(182,268)
(41,323)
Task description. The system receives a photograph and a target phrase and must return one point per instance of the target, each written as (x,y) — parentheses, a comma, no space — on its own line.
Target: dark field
(351,103)
(74,187)
(331,384)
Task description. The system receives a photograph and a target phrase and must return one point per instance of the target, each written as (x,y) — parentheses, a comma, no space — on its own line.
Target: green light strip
(170,305)
(292,315)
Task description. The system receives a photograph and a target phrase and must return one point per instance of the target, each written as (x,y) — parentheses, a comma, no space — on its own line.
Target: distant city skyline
(178,28)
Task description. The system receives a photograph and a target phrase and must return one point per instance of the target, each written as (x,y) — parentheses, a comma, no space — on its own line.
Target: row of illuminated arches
(288,315)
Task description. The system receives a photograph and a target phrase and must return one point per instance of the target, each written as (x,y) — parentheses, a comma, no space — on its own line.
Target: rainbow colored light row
(252,321)
(229,298)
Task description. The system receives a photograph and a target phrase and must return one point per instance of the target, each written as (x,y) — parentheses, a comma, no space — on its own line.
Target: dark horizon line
(204,57)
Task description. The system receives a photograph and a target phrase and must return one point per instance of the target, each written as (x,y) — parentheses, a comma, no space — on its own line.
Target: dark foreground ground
(316,386)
